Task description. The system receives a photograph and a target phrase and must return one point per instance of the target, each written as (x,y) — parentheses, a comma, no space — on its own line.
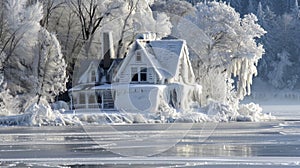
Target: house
(154,76)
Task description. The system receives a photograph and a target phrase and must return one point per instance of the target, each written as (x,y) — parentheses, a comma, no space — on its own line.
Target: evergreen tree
(51,69)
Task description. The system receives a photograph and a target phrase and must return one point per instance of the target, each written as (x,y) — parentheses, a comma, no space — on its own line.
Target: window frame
(138,56)
(93,77)
(139,74)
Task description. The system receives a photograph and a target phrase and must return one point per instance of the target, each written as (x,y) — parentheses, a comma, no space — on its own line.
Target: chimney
(146,36)
(107,49)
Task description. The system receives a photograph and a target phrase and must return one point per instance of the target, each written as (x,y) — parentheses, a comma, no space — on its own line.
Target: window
(138,56)
(134,74)
(92,99)
(143,74)
(93,76)
(75,100)
(81,98)
(139,74)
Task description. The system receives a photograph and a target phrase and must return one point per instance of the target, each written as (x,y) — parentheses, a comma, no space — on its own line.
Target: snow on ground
(43,115)
(38,115)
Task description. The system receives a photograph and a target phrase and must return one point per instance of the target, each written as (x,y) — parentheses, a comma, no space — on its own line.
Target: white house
(155,75)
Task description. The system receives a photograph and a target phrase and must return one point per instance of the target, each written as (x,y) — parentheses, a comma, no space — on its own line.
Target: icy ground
(247,144)
(43,115)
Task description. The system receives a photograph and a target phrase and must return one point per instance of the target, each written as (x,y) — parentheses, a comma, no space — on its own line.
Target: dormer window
(138,56)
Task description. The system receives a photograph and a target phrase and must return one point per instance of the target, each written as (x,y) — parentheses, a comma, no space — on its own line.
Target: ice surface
(235,144)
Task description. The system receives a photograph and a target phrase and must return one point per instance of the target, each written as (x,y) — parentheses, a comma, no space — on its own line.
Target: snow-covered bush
(39,115)
(9,104)
(59,105)
(252,112)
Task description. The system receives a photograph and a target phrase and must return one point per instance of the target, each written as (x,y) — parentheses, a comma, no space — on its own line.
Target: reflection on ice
(214,150)
(230,143)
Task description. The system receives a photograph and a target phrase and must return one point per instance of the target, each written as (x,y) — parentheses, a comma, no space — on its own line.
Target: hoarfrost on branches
(33,64)
(226,68)
(51,70)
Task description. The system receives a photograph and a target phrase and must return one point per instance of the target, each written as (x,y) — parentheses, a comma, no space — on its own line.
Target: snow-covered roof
(164,55)
(84,69)
(167,54)
(82,87)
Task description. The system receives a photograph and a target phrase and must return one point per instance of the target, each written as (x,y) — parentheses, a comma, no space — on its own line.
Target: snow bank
(38,115)
(214,112)
(252,112)
(43,115)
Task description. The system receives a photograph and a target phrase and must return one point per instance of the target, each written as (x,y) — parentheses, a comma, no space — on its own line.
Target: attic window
(138,56)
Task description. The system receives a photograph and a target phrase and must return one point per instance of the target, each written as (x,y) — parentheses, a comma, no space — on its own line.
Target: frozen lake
(265,144)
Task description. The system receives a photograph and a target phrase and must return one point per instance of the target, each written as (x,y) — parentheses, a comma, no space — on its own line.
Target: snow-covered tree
(277,76)
(175,9)
(137,17)
(23,26)
(296,9)
(251,6)
(26,71)
(51,67)
(284,36)
(260,14)
(49,6)
(230,50)
(79,24)
(126,19)
(9,104)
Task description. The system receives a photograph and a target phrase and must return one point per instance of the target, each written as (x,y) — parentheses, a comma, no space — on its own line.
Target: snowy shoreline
(43,115)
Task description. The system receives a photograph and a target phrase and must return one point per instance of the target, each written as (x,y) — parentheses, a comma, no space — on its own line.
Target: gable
(137,58)
(169,59)
(167,53)
(91,73)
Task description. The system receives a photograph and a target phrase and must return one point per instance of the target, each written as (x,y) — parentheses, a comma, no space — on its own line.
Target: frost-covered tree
(91,14)
(175,9)
(23,26)
(65,24)
(33,64)
(251,6)
(284,36)
(9,104)
(137,17)
(227,60)
(79,24)
(260,14)
(267,18)
(51,67)
(49,6)
(278,77)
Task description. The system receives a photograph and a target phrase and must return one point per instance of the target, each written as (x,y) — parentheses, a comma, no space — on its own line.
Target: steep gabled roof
(167,53)
(164,55)
(84,69)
